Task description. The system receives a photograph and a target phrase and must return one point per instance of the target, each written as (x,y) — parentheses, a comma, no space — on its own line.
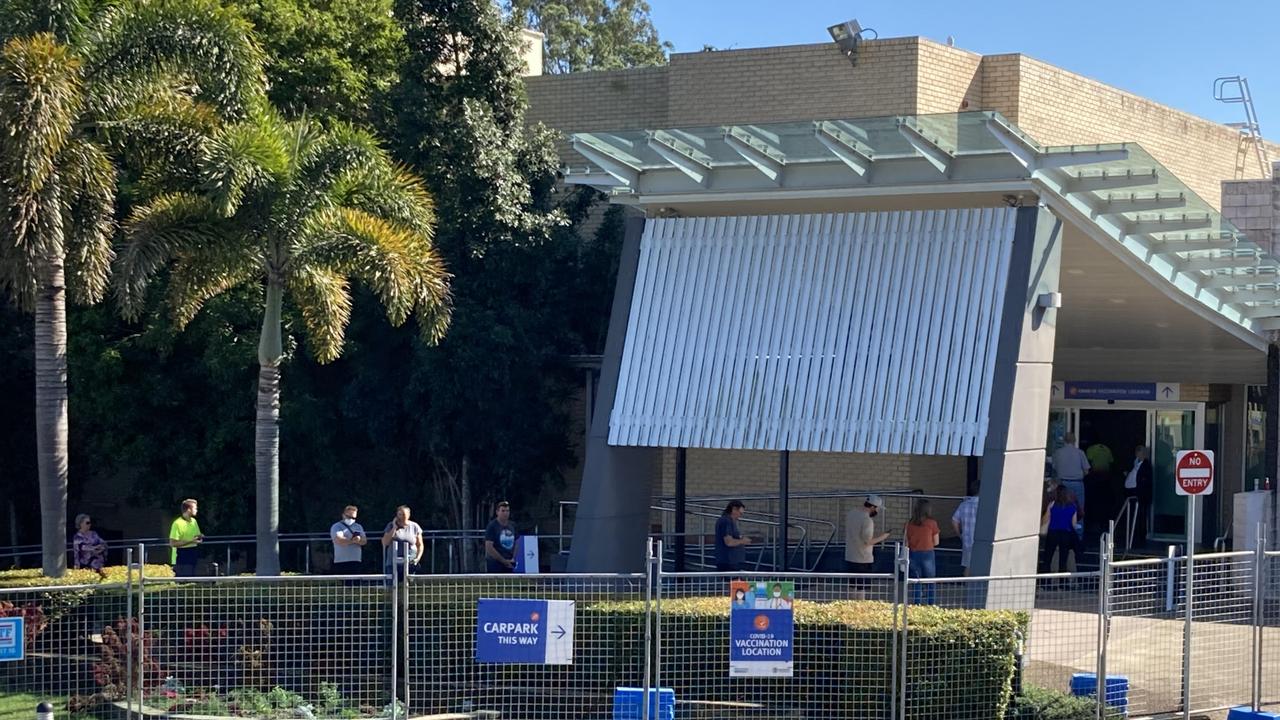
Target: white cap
(875,500)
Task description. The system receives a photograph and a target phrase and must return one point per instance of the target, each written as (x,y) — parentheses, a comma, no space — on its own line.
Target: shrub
(1037,703)
(35,578)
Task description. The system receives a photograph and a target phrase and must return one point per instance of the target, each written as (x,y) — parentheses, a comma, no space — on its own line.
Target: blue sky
(1168,51)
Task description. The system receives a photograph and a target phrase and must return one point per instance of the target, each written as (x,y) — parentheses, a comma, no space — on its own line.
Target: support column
(682,494)
(1272,442)
(612,521)
(781,561)
(1007,538)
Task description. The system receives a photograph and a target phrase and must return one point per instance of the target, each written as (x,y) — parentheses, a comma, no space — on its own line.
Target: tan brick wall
(1001,76)
(1250,206)
(948,79)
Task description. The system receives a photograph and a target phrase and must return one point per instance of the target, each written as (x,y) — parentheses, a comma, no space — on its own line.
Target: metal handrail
(1127,519)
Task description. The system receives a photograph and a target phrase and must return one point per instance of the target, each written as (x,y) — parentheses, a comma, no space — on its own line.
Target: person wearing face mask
(348,542)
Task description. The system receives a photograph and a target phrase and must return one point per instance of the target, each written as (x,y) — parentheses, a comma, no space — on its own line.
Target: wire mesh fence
(972,644)
(1222,631)
(1144,601)
(1268,673)
(265,647)
(74,642)
(446,674)
(843,649)
(865,646)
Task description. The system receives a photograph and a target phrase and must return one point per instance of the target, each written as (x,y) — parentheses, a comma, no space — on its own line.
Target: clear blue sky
(1168,51)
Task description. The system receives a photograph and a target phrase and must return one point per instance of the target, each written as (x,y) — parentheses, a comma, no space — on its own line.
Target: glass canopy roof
(1120,187)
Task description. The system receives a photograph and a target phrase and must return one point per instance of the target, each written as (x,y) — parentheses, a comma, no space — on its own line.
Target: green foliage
(593,34)
(1035,703)
(328,59)
(112,575)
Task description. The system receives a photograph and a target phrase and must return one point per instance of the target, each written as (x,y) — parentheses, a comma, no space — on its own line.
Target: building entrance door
(1109,432)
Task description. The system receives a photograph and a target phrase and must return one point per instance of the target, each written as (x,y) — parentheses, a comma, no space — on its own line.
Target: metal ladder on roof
(1235,89)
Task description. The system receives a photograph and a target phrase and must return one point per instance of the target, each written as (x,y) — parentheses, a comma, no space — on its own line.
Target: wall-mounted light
(847,36)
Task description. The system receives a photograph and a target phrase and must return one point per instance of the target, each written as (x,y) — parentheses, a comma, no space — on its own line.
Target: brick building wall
(1253,206)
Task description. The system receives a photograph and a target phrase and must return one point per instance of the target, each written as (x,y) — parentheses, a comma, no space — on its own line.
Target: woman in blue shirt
(1062,517)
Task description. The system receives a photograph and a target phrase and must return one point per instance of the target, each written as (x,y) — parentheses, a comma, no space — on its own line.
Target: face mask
(875,513)
(348,521)
(777,593)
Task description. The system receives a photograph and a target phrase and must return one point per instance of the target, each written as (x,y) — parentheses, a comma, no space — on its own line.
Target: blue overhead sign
(1110,391)
(533,632)
(11,645)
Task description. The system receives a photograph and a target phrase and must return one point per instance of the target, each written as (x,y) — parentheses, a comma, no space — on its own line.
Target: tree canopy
(593,34)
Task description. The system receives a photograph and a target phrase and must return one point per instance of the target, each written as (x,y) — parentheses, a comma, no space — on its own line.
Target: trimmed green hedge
(1043,704)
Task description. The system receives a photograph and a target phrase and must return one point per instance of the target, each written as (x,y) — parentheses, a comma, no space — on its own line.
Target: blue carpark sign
(532,632)
(10,639)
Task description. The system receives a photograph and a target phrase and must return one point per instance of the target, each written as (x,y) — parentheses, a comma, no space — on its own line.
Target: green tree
(328,59)
(297,210)
(593,34)
(76,89)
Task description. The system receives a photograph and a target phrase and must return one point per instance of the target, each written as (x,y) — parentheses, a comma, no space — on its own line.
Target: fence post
(142,628)
(404,629)
(657,624)
(44,711)
(392,584)
(650,578)
(1259,573)
(894,658)
(1107,545)
(128,633)
(903,566)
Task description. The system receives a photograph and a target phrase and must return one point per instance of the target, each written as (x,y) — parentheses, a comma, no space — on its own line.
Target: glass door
(1061,422)
(1174,430)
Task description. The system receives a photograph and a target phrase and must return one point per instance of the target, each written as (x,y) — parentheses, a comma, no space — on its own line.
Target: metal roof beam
(1106,180)
(763,155)
(1255,312)
(1220,263)
(683,156)
(1237,281)
(1267,324)
(927,147)
(612,160)
(1167,247)
(1135,202)
(1239,297)
(844,146)
(1168,223)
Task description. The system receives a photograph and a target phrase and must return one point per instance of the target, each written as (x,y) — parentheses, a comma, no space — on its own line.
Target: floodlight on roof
(847,36)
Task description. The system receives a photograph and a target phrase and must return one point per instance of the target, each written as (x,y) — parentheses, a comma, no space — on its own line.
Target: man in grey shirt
(348,542)
(1070,465)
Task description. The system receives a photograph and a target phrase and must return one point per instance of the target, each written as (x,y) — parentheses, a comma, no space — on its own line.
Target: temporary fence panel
(843,646)
(1145,601)
(72,646)
(972,644)
(1222,631)
(1269,674)
(448,672)
(266,647)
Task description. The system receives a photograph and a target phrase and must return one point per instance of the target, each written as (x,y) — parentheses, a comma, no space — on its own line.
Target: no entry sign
(1193,473)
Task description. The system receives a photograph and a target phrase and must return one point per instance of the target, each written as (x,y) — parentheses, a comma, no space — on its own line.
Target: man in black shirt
(500,540)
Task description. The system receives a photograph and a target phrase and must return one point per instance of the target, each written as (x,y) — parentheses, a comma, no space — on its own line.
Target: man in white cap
(860,536)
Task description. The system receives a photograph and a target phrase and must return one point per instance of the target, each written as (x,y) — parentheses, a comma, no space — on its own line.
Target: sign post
(1193,477)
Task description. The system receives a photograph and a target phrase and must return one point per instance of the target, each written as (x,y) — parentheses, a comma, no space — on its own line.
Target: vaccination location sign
(761,629)
(531,632)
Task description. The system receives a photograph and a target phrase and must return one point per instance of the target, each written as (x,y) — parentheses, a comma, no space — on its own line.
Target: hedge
(35,578)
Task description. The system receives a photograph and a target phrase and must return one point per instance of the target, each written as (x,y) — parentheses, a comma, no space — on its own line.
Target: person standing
(1070,465)
(922,536)
(500,540)
(860,538)
(1062,538)
(348,542)
(964,520)
(89,548)
(184,540)
(1139,486)
(731,544)
(402,542)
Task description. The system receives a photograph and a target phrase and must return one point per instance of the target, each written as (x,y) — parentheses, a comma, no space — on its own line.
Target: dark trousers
(350,567)
(1060,542)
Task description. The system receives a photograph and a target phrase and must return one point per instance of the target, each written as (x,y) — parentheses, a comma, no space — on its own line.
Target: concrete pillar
(1006,540)
(612,522)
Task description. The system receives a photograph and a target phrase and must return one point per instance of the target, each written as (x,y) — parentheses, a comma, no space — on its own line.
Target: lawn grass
(22,706)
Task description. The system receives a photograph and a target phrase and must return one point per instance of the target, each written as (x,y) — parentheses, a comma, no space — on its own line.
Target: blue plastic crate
(1245,713)
(1117,693)
(628,703)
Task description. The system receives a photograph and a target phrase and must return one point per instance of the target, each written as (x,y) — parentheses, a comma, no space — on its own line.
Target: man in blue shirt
(731,544)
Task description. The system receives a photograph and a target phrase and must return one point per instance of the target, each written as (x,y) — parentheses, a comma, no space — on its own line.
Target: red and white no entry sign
(1193,473)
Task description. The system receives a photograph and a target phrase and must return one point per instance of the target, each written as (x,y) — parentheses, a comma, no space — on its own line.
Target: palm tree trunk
(51,413)
(267,437)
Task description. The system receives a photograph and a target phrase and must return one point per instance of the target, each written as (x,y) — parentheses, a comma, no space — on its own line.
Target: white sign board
(1193,472)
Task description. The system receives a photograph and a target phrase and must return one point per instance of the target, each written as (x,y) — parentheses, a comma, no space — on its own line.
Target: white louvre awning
(856,332)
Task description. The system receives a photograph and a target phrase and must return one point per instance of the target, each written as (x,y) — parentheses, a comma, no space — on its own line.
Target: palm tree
(297,210)
(74,94)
